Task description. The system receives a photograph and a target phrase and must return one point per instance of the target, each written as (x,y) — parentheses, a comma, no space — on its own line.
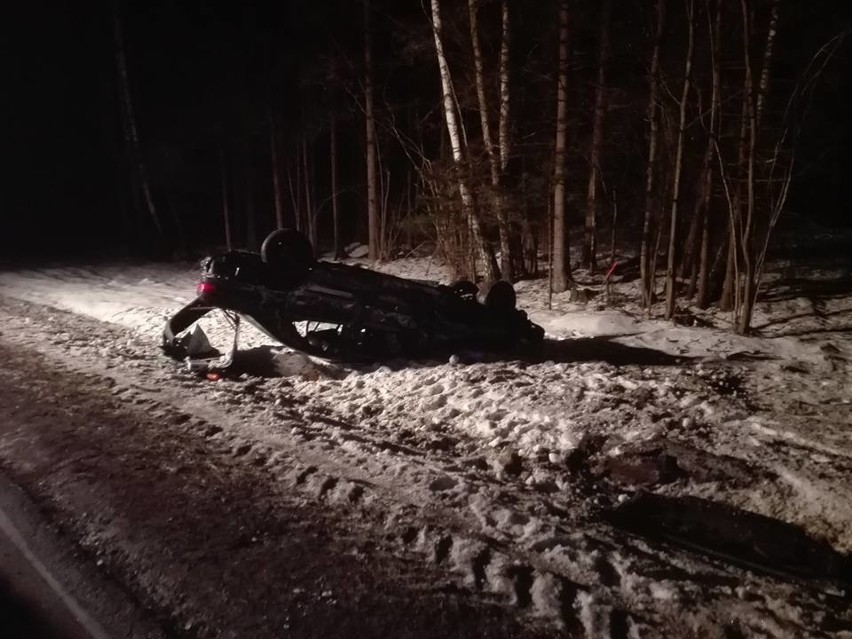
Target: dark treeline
(506,134)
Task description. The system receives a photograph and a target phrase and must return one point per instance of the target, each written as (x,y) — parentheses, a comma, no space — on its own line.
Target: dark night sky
(55,122)
(60,118)
(60,121)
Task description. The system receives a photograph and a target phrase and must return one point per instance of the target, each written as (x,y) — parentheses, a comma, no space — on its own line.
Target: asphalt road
(179,528)
(38,572)
(29,607)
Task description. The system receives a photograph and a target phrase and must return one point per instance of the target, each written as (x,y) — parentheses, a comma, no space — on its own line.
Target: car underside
(346,312)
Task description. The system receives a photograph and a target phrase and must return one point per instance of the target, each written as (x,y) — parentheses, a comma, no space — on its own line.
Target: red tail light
(205,288)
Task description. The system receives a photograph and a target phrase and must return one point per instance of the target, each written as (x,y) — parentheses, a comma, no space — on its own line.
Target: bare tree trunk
(486,255)
(310,217)
(671,282)
(726,300)
(756,102)
(516,262)
(646,271)
(128,175)
(369,113)
(715,27)
(768,52)
(744,288)
(479,75)
(731,290)
(181,245)
(590,237)
(493,160)
(560,270)
(276,173)
(295,185)
(335,213)
(614,227)
(690,245)
(505,102)
(410,190)
(731,299)
(226,210)
(131,130)
(698,227)
(251,242)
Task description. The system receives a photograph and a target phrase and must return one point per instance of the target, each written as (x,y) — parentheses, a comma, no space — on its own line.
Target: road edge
(53,574)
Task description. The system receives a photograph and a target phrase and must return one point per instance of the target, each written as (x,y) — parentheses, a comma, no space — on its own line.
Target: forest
(514,139)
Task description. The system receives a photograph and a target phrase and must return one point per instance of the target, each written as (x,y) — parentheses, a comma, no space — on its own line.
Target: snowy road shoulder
(522,455)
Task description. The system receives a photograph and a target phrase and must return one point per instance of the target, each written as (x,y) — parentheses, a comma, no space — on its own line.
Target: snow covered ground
(761,423)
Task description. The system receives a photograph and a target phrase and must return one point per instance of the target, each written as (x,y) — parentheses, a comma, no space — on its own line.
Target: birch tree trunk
(590,237)
(560,272)
(486,255)
(130,128)
(276,173)
(671,281)
(479,74)
(491,152)
(646,271)
(370,123)
(516,262)
(505,94)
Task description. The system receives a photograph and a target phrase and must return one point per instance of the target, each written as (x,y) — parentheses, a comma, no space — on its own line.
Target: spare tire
(499,296)
(288,251)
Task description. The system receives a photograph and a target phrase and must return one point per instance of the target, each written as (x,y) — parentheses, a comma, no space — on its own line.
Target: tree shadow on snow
(789,288)
(734,535)
(603,349)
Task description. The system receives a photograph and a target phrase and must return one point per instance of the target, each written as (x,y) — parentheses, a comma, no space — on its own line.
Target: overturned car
(344,312)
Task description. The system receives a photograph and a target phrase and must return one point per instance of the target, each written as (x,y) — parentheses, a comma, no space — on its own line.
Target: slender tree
(373,230)
(131,132)
(486,254)
(226,209)
(308,174)
(645,258)
(590,236)
(491,151)
(755,102)
(671,282)
(332,156)
(703,274)
(515,262)
(561,275)
(505,86)
(249,209)
(295,188)
(277,196)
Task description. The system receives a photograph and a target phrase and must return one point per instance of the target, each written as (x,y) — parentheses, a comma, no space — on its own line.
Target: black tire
(464,288)
(288,251)
(499,296)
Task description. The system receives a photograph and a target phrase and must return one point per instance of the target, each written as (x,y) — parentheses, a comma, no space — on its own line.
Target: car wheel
(289,253)
(499,296)
(464,288)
